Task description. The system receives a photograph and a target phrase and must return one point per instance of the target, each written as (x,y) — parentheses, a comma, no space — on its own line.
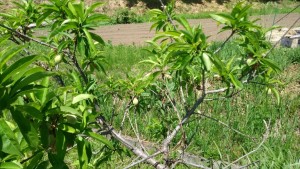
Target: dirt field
(138,33)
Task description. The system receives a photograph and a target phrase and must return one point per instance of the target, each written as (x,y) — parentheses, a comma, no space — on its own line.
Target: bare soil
(137,34)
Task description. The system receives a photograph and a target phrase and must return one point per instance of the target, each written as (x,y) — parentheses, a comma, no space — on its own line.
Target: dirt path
(138,33)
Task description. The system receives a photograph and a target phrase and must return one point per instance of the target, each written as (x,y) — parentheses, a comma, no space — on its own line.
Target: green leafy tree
(52,103)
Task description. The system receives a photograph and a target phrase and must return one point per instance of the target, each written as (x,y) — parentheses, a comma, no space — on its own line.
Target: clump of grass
(123,59)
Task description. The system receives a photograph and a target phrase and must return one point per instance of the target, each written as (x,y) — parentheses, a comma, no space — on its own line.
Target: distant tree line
(157,4)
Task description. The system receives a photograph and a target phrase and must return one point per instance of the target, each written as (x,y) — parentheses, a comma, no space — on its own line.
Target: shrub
(125,16)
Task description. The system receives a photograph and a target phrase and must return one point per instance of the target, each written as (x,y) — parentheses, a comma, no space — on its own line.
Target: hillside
(181,6)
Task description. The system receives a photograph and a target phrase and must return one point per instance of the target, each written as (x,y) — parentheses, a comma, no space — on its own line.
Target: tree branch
(223,44)
(171,136)
(28,37)
(75,62)
(131,147)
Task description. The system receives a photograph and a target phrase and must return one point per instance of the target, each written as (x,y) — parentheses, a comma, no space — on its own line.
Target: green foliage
(52,102)
(49,120)
(125,16)
(161,18)
(20,18)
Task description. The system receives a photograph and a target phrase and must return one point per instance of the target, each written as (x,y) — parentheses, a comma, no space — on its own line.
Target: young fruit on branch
(58,58)
(72,119)
(135,101)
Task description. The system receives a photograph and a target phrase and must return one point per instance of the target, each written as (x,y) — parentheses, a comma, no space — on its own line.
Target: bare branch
(28,37)
(224,43)
(125,114)
(171,136)
(169,16)
(127,144)
(135,130)
(217,90)
(144,159)
(287,14)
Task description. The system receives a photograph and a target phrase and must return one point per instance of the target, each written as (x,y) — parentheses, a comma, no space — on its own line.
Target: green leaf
(44,133)
(97,38)
(67,26)
(56,162)
(17,67)
(70,110)
(82,97)
(7,16)
(223,18)
(96,18)
(9,142)
(43,17)
(35,160)
(32,111)
(61,145)
(42,95)
(81,48)
(93,6)
(84,152)
(63,44)
(77,81)
(9,53)
(184,23)
(24,91)
(43,165)
(27,129)
(10,165)
(100,138)
(79,8)
(207,61)
(276,94)
(72,9)
(271,64)
(68,128)
(235,81)
(4,38)
(28,80)
(90,39)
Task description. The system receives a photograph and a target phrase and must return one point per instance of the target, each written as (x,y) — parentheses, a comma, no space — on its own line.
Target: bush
(155,3)
(125,16)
